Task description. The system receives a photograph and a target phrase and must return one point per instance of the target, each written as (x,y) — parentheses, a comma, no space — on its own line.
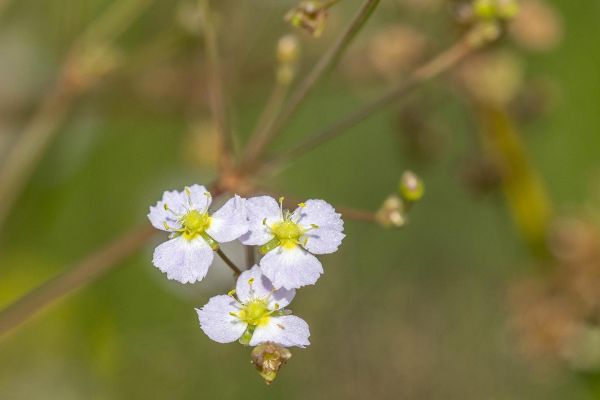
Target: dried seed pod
(268,358)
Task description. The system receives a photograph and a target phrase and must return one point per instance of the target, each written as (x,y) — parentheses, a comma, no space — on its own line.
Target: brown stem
(325,63)
(250,256)
(42,127)
(230,264)
(432,69)
(330,4)
(25,154)
(266,121)
(356,214)
(215,85)
(80,274)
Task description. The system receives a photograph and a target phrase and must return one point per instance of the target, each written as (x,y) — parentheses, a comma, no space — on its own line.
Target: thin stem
(330,4)
(327,61)
(80,274)
(266,121)
(250,256)
(356,214)
(432,69)
(215,84)
(24,155)
(230,264)
(38,133)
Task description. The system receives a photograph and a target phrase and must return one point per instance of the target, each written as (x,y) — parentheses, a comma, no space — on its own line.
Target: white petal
(158,216)
(323,241)
(287,331)
(217,322)
(230,221)
(183,260)
(261,288)
(291,268)
(328,236)
(261,210)
(199,197)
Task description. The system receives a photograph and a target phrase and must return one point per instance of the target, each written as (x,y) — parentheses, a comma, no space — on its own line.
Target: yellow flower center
(287,232)
(194,224)
(255,313)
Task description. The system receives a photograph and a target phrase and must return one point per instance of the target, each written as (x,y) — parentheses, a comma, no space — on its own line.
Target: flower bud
(507,9)
(495,9)
(288,49)
(484,32)
(287,55)
(484,8)
(309,15)
(391,213)
(411,187)
(268,358)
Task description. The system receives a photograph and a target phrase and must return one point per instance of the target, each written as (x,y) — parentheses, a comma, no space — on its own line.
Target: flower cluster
(254,312)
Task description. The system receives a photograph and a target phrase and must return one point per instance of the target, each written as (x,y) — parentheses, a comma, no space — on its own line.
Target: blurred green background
(416,313)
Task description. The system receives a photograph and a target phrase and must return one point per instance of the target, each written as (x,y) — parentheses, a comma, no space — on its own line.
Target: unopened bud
(507,9)
(288,49)
(484,8)
(495,9)
(484,32)
(268,358)
(308,15)
(391,213)
(411,187)
(287,54)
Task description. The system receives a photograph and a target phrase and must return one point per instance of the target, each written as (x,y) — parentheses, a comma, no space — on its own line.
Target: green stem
(524,190)
(215,84)
(327,61)
(441,63)
(230,264)
(82,273)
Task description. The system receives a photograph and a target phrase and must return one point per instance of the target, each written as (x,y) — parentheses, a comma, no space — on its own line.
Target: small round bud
(495,9)
(484,8)
(391,213)
(310,16)
(507,9)
(268,358)
(288,49)
(484,32)
(411,187)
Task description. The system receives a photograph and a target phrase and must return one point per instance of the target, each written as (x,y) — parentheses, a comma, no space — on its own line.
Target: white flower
(253,314)
(288,239)
(194,232)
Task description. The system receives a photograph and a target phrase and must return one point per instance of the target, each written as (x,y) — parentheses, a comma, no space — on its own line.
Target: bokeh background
(421,312)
